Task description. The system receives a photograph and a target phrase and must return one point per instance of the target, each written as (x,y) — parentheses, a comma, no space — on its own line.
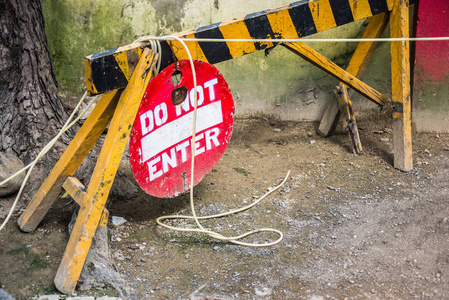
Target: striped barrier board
(104,71)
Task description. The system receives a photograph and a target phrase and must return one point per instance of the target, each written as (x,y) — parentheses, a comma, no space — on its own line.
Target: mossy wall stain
(169,14)
(77,29)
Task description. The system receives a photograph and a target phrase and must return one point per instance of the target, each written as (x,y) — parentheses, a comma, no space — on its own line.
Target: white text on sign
(149,119)
(166,144)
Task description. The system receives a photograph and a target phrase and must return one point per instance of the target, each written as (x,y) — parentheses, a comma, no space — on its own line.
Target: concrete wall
(281,84)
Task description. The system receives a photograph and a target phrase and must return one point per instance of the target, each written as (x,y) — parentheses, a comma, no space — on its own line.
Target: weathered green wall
(281,84)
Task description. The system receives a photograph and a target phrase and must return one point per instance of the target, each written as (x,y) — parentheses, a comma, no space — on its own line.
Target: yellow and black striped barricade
(122,75)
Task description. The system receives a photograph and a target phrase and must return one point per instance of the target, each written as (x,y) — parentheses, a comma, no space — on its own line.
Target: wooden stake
(356,67)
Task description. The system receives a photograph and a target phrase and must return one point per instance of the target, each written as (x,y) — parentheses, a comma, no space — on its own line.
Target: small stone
(9,165)
(43,297)
(187,256)
(384,140)
(117,221)
(264,291)
(437,136)
(312,142)
(216,248)
(119,256)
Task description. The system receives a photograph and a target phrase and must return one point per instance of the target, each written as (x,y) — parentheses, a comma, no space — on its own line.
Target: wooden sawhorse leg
(400,77)
(356,67)
(93,200)
(341,102)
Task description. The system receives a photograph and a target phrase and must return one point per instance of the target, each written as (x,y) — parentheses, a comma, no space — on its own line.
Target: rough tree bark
(30,111)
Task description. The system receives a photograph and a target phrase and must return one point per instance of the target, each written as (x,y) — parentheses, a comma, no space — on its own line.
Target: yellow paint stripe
(282,25)
(322,15)
(122,61)
(194,48)
(236,29)
(360,9)
(390,4)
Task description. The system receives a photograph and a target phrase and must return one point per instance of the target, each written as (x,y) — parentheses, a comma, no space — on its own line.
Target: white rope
(304,40)
(201,229)
(30,167)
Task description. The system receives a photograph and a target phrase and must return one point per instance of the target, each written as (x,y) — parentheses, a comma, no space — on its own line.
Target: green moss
(242,171)
(30,260)
(77,29)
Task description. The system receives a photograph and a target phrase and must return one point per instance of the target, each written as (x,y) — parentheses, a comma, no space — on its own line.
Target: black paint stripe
(259,28)
(342,11)
(106,74)
(378,6)
(302,18)
(215,52)
(168,57)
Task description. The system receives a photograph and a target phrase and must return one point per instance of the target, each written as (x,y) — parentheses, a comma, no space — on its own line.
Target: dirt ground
(355,227)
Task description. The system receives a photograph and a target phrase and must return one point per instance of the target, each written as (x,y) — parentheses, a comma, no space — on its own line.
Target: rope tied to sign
(155,45)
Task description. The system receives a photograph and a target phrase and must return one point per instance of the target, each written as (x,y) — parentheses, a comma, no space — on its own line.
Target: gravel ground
(354,227)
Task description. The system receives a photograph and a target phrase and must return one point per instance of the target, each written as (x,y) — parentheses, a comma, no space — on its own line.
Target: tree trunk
(30,111)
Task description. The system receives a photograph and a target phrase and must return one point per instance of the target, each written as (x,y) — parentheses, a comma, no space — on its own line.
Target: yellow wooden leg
(69,162)
(400,76)
(94,199)
(356,67)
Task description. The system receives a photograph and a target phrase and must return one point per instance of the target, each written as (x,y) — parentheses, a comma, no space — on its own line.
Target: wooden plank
(112,69)
(357,66)
(400,77)
(103,176)
(331,68)
(75,189)
(69,162)
(330,118)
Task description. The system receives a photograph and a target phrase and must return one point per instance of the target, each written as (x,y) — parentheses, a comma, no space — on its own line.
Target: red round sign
(160,146)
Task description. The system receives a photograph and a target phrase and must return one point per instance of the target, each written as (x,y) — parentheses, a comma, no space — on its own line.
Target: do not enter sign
(161,138)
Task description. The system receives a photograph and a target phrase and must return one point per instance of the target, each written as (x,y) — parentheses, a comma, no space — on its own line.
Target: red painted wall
(432,58)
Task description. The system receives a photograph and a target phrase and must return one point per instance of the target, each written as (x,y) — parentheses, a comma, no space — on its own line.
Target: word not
(151,119)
